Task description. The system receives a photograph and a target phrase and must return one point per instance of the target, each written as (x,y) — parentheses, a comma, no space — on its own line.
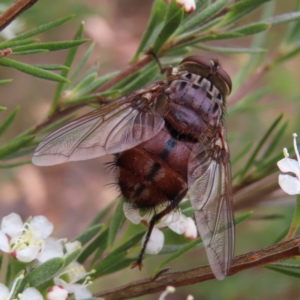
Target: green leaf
(127,245)
(107,263)
(244,4)
(258,40)
(9,166)
(29,52)
(117,266)
(220,36)
(158,12)
(103,213)
(101,243)
(51,67)
(146,76)
(123,83)
(42,28)
(273,145)
(81,88)
(281,236)
(176,254)
(15,145)
(289,17)
(178,52)
(2,107)
(116,223)
(4,81)
(252,28)
(285,265)
(243,217)
(11,43)
(8,121)
(19,153)
(240,155)
(71,257)
(202,16)
(245,104)
(172,21)
(285,56)
(230,50)
(83,61)
(88,234)
(17,284)
(241,9)
(259,147)
(292,34)
(68,62)
(118,254)
(51,46)
(283,271)
(37,72)
(44,272)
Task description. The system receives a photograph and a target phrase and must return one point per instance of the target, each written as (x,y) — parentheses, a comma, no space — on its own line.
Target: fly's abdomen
(155,172)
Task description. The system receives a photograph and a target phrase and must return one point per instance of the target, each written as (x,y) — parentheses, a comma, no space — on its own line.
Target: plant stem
(4,266)
(296,220)
(14,10)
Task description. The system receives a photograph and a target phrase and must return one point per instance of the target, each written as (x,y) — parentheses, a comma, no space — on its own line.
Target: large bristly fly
(169,138)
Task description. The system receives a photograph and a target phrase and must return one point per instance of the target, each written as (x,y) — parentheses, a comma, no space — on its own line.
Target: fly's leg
(162,69)
(155,219)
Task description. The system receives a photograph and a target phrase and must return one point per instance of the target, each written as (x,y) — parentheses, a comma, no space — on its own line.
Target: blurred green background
(70,195)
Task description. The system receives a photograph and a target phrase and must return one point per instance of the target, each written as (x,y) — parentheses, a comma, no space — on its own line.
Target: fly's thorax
(195,106)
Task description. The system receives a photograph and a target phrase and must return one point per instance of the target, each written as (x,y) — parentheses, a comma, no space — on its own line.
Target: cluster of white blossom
(30,243)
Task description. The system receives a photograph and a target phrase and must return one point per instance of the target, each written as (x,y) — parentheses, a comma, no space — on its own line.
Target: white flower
(188,5)
(57,293)
(290,184)
(73,273)
(30,294)
(175,220)
(52,248)
(24,241)
(27,294)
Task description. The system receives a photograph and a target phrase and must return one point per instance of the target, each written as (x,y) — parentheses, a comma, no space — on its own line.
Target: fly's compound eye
(208,69)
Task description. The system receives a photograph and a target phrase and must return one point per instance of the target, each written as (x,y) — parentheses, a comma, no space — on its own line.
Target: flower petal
(12,225)
(289,184)
(28,254)
(31,294)
(4,245)
(42,227)
(52,248)
(57,293)
(81,292)
(191,231)
(289,165)
(168,219)
(188,5)
(179,225)
(156,241)
(72,246)
(4,291)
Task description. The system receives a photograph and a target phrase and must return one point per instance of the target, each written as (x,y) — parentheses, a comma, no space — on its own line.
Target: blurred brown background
(70,195)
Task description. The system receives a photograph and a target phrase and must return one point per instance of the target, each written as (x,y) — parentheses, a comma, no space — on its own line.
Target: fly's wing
(114,128)
(209,180)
